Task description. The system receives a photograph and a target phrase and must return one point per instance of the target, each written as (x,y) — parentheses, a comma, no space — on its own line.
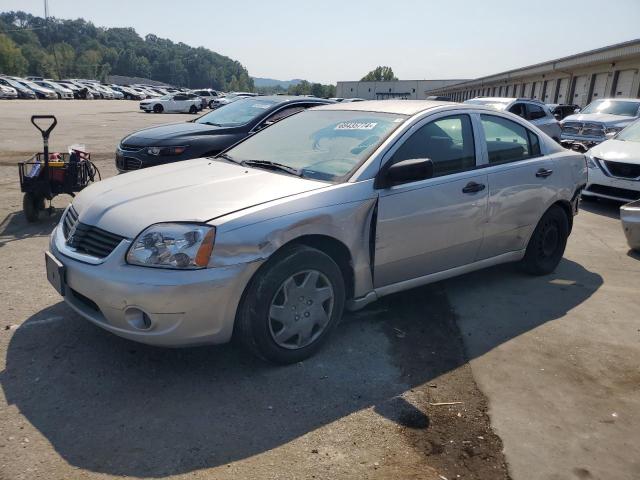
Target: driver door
(432,225)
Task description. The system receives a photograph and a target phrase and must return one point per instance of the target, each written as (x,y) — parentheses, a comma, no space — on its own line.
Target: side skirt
(358,303)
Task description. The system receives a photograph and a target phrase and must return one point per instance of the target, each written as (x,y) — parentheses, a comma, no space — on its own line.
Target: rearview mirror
(406,171)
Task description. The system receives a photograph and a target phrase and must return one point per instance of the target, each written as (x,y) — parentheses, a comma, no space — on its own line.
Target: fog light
(137,319)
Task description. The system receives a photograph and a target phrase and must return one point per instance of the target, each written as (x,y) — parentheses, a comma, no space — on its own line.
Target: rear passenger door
(435,224)
(521,184)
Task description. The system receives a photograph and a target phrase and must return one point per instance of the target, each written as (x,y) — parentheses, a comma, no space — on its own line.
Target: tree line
(31,45)
(301,88)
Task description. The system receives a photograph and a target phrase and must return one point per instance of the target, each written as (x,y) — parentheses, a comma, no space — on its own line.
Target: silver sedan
(327,209)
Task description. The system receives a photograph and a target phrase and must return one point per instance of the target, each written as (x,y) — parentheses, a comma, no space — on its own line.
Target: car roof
(400,107)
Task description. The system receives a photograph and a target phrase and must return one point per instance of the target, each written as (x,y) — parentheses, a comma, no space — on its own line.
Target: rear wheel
(291,305)
(32,205)
(211,104)
(157,108)
(547,243)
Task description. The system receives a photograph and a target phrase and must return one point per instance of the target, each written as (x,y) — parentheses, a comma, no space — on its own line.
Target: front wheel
(193,109)
(157,108)
(547,243)
(291,305)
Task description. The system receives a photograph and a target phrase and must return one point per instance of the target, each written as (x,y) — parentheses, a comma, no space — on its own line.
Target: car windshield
(631,133)
(490,102)
(320,144)
(237,113)
(166,97)
(613,107)
(30,84)
(13,83)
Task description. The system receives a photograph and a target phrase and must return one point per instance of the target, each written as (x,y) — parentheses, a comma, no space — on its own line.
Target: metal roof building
(403,89)
(606,72)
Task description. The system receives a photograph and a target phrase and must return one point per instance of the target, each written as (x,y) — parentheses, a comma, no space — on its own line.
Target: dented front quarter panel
(342,212)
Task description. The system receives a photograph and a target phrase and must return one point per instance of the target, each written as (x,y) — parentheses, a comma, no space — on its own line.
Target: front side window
(613,107)
(508,141)
(319,144)
(535,112)
(447,142)
(518,109)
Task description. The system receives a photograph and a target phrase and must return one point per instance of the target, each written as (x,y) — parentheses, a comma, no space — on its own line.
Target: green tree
(380,74)
(11,59)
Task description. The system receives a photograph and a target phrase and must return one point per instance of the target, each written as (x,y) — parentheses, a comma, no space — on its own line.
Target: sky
(330,40)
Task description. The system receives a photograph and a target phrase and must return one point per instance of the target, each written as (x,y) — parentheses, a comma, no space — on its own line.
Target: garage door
(549,92)
(537,90)
(581,90)
(600,86)
(625,82)
(527,90)
(562,91)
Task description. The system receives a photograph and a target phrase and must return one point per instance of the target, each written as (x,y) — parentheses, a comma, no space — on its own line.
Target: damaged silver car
(327,209)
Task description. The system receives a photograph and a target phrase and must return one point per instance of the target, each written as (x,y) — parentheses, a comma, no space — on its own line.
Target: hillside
(260,82)
(77,48)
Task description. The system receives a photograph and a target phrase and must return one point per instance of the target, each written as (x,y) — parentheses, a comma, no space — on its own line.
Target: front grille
(127,163)
(586,129)
(88,239)
(129,148)
(623,170)
(615,192)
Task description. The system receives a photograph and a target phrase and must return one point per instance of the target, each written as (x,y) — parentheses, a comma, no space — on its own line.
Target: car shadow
(112,406)
(15,226)
(602,206)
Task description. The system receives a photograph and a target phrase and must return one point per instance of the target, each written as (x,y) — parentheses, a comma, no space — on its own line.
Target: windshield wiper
(212,124)
(228,157)
(272,166)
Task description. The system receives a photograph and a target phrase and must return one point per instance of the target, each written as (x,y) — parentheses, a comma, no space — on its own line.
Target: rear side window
(508,141)
(448,142)
(534,112)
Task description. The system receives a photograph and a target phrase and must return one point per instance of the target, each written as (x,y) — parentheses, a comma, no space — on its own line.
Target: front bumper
(182,308)
(630,217)
(603,186)
(581,139)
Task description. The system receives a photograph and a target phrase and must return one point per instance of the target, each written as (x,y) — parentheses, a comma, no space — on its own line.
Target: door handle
(543,173)
(473,187)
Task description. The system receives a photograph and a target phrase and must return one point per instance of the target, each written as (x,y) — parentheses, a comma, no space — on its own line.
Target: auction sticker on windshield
(356,126)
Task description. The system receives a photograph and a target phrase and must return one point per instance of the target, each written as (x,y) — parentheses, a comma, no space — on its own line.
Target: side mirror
(406,171)
(577,110)
(610,135)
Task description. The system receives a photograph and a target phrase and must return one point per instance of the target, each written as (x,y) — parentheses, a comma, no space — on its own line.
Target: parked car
(85,89)
(440,98)
(331,208)
(534,111)
(23,92)
(41,92)
(208,96)
(8,92)
(173,103)
(207,135)
(349,100)
(74,88)
(63,93)
(599,119)
(630,218)
(614,167)
(128,93)
(104,92)
(337,99)
(561,110)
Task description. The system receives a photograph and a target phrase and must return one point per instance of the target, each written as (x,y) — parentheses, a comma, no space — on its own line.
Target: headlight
(162,151)
(591,163)
(173,245)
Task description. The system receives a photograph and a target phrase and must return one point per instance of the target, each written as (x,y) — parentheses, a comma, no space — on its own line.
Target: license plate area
(55,273)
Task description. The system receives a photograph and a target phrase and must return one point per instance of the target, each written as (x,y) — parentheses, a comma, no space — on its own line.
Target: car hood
(598,117)
(169,134)
(193,191)
(618,151)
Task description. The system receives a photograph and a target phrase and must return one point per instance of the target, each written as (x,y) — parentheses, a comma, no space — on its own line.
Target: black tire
(193,110)
(157,108)
(253,328)
(32,205)
(547,244)
(211,104)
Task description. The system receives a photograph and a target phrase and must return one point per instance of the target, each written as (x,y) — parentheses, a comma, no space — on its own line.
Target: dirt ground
(79,402)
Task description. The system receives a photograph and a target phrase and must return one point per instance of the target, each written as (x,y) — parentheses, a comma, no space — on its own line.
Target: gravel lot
(79,402)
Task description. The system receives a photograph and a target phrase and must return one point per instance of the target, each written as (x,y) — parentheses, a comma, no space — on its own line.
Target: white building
(406,89)
(606,72)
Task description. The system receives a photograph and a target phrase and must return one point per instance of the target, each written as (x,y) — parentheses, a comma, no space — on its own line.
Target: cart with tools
(44,176)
